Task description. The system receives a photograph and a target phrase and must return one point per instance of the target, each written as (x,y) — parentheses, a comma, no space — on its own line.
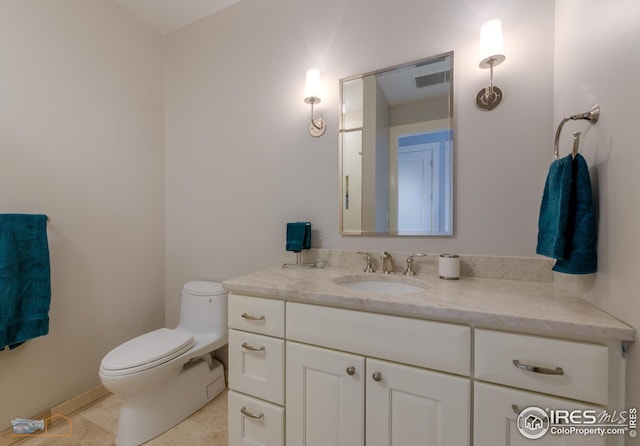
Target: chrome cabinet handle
(247,413)
(536,369)
(251,317)
(377,377)
(351,371)
(252,348)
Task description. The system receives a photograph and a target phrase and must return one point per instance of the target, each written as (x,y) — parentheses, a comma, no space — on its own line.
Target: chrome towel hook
(592,115)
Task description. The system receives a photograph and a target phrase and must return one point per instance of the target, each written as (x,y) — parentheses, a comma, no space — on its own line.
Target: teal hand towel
(580,256)
(566,226)
(298,236)
(25,283)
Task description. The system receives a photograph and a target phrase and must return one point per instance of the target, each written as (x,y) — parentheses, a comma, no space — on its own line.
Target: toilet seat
(146,351)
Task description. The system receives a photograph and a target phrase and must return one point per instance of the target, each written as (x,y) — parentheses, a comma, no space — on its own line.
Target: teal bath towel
(567,224)
(25,279)
(298,236)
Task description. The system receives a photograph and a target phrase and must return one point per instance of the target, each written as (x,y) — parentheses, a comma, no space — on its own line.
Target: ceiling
(170,15)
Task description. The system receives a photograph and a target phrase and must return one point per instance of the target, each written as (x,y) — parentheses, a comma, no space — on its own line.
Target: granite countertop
(514,304)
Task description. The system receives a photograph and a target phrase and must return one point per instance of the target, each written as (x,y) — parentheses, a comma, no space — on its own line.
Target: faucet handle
(387,262)
(369,267)
(409,271)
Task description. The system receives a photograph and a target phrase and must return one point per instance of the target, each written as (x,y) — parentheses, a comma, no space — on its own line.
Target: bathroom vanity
(314,361)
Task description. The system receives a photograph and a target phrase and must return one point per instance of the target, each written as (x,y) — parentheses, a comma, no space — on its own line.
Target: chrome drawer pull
(377,377)
(536,369)
(252,348)
(351,371)
(251,317)
(249,414)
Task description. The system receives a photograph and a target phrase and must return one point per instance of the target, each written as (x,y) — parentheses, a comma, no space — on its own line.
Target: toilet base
(147,414)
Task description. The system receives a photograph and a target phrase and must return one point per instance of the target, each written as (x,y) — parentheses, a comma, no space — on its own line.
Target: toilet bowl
(166,375)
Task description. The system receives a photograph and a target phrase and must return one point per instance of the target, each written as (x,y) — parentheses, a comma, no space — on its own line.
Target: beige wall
(241,163)
(597,61)
(81,116)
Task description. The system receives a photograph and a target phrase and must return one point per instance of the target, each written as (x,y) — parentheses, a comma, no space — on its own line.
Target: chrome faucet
(387,263)
(368,268)
(409,271)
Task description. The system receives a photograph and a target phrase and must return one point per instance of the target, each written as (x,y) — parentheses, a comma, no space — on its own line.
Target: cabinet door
(412,406)
(325,397)
(496,408)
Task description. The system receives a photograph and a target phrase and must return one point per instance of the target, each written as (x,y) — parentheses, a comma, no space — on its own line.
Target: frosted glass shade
(312,87)
(491,44)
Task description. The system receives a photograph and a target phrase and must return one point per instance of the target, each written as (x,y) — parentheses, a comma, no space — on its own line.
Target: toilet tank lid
(204,288)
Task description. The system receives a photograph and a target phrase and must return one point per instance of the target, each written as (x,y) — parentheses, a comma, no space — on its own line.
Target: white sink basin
(382,284)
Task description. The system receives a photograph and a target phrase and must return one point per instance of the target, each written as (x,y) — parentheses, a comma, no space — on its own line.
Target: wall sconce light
(491,55)
(312,96)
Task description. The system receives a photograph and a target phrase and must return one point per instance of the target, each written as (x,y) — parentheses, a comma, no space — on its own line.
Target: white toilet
(166,375)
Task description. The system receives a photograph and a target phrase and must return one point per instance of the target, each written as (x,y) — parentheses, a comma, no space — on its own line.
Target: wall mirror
(396,150)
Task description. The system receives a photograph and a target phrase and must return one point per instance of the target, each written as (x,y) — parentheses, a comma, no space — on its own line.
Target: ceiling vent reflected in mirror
(429,80)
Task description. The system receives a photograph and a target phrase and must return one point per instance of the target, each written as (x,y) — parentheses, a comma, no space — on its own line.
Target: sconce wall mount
(491,55)
(317,126)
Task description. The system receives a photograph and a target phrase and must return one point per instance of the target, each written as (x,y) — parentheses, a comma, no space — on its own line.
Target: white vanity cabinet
(306,374)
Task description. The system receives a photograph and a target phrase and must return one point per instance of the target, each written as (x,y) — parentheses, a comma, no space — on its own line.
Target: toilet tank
(203,307)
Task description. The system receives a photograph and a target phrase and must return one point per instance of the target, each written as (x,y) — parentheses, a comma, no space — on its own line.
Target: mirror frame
(341,131)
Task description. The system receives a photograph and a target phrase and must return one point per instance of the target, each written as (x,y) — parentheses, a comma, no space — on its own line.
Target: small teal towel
(567,224)
(25,278)
(298,236)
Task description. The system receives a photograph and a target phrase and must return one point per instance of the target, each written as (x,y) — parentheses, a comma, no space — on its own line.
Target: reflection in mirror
(396,150)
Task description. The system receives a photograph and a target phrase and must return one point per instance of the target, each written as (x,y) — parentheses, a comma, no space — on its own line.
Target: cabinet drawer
(256,365)
(255,314)
(434,345)
(496,414)
(571,369)
(253,422)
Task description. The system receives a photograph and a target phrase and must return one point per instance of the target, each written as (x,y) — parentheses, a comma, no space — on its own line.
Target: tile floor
(97,424)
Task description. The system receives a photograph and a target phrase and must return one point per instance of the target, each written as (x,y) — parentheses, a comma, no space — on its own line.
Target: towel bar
(592,115)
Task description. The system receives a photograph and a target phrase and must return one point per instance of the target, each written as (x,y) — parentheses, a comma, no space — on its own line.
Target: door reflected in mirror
(396,150)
